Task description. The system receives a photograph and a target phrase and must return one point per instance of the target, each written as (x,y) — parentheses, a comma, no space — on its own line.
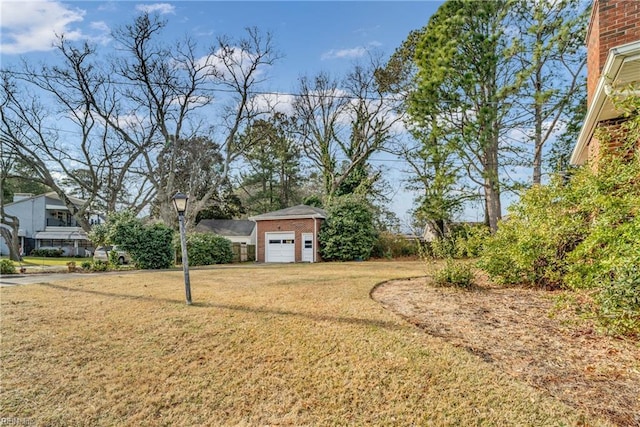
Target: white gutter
(610,91)
(617,57)
(272,218)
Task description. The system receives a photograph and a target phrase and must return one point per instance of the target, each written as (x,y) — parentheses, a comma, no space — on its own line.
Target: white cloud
(356,52)
(33,26)
(161,8)
(109,6)
(239,60)
(100,26)
(280,102)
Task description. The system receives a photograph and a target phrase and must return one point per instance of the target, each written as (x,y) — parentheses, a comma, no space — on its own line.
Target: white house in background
(241,232)
(237,230)
(45,222)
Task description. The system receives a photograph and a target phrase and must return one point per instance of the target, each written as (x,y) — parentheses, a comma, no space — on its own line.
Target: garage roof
(295,212)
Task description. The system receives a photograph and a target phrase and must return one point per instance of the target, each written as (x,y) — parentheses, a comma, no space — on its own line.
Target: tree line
(482,87)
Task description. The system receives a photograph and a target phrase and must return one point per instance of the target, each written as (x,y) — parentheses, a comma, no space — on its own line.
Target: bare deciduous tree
(343,123)
(110,125)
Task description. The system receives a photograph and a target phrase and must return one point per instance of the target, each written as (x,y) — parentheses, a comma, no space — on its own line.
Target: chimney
(613,23)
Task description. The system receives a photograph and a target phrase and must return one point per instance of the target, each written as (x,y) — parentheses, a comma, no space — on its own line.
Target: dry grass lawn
(262,345)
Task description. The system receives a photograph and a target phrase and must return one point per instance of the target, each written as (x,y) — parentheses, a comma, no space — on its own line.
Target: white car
(102,254)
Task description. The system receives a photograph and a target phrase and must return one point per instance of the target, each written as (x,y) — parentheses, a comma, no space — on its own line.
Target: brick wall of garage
(298,226)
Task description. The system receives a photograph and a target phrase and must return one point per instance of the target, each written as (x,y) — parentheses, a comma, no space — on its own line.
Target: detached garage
(289,235)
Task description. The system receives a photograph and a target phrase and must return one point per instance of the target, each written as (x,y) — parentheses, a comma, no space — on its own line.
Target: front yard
(295,345)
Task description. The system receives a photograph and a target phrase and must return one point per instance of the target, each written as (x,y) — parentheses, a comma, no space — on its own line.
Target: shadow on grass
(238,307)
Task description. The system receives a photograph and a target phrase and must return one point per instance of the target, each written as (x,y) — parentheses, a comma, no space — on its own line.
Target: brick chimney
(613,23)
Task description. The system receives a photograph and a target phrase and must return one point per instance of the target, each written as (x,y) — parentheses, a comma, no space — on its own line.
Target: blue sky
(311,35)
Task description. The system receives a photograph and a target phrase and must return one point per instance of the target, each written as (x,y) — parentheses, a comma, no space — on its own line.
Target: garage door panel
(280,247)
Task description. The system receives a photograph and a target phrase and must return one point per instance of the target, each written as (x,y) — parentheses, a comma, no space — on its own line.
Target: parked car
(102,254)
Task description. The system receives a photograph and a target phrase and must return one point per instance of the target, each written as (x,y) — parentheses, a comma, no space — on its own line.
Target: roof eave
(272,218)
(610,71)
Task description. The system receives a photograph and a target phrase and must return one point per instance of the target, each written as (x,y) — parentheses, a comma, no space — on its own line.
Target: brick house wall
(298,226)
(613,129)
(613,23)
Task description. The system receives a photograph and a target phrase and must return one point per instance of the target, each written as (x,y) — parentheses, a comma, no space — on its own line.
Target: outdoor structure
(45,222)
(613,71)
(289,235)
(241,233)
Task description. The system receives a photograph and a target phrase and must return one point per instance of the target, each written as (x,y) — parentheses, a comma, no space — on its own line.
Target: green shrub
(584,234)
(454,273)
(86,265)
(390,246)
(531,247)
(113,258)
(153,249)
(442,248)
(462,241)
(100,266)
(149,245)
(618,302)
(47,253)
(208,249)
(469,240)
(7,267)
(348,233)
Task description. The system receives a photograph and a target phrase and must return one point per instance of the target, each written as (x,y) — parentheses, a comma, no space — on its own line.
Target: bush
(531,247)
(47,253)
(153,248)
(348,232)
(86,265)
(618,302)
(149,245)
(208,249)
(390,246)
(455,273)
(7,267)
(462,241)
(469,240)
(99,266)
(580,235)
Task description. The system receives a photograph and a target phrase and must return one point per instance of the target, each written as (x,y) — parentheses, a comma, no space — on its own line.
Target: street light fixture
(180,203)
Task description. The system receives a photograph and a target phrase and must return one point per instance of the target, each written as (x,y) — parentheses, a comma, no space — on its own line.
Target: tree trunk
(492,197)
(538,140)
(10,235)
(492,184)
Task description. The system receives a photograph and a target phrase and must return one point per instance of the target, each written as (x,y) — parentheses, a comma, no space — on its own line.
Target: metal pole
(185,259)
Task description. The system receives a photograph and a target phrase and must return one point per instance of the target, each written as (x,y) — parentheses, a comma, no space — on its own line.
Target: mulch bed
(522,332)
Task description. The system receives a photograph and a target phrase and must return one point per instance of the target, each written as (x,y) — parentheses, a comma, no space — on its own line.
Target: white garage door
(280,247)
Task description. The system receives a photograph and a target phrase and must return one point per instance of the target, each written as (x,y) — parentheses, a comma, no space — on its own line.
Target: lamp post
(180,203)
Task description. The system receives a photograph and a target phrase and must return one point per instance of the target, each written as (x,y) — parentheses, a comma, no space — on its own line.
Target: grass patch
(295,344)
(36,261)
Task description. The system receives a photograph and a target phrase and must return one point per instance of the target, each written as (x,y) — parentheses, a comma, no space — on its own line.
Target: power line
(291,94)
